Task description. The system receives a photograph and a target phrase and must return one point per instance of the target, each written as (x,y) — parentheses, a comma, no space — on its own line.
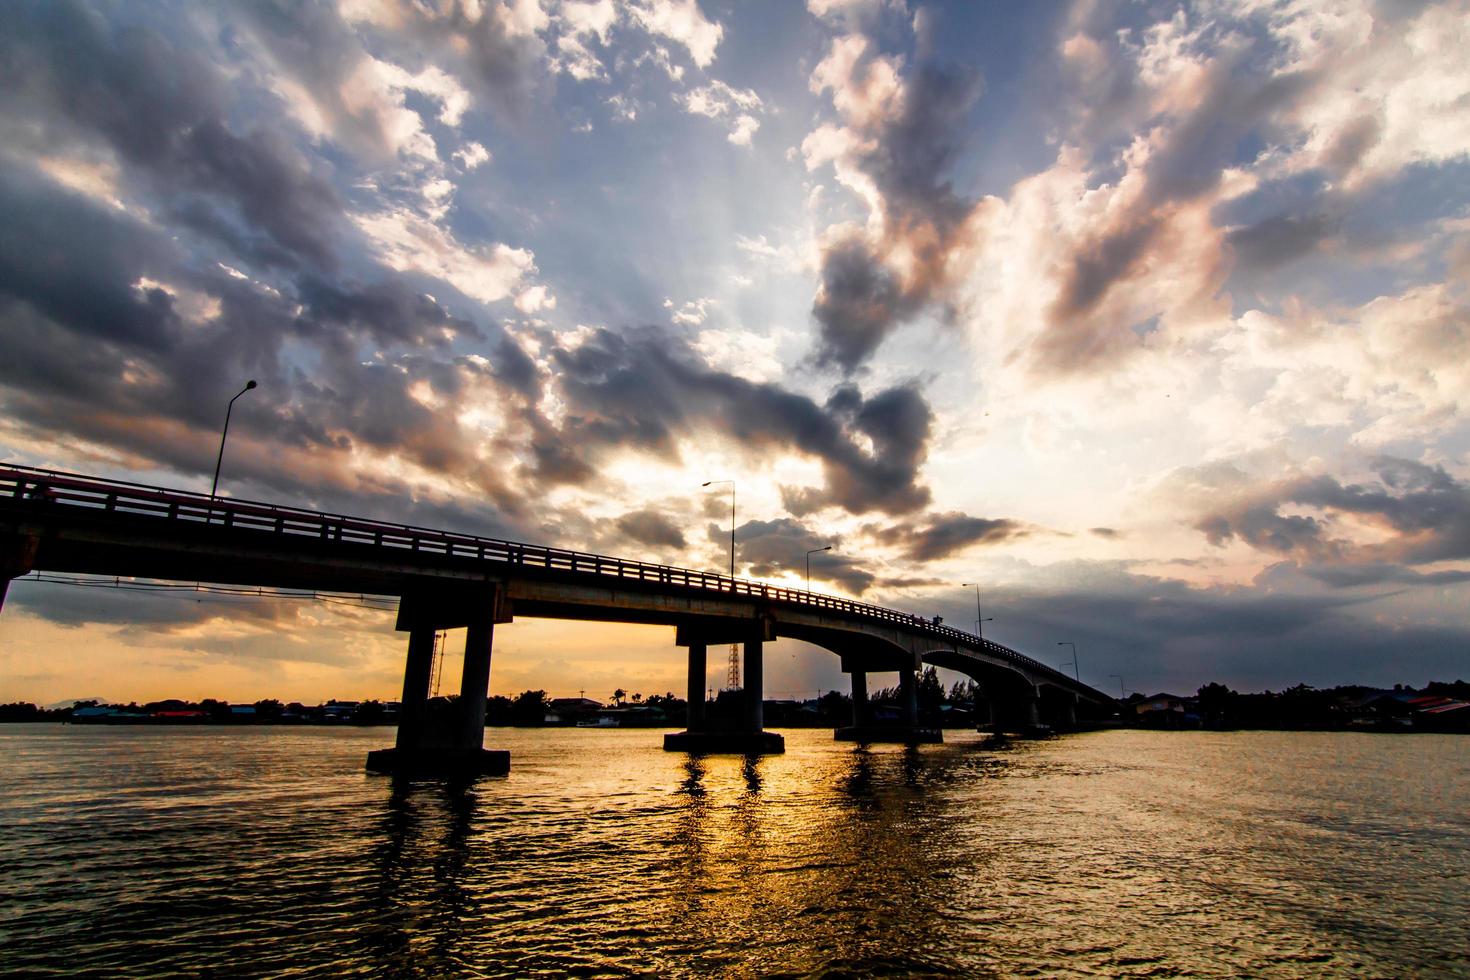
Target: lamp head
(250,384)
(707,483)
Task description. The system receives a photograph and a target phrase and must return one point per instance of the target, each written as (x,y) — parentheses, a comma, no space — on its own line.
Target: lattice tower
(732,672)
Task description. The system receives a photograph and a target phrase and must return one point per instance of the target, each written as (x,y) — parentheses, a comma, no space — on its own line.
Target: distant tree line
(1439,705)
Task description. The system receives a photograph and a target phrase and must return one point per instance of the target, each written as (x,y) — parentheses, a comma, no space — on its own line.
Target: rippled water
(269,852)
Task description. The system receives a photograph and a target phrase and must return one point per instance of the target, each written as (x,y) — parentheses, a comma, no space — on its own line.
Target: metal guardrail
(141,500)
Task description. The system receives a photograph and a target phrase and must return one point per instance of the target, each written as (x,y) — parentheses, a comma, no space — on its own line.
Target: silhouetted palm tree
(618,695)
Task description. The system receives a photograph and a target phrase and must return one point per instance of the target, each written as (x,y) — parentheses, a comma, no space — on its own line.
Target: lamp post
(214,487)
(1075,673)
(809,564)
(711,483)
(1121,695)
(979,629)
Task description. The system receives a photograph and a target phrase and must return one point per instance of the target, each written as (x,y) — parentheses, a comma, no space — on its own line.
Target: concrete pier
(747,734)
(456,750)
(907,732)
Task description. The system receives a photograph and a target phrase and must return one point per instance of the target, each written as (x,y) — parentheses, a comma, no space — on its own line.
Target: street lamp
(214,487)
(711,483)
(1075,674)
(979,629)
(809,564)
(1121,695)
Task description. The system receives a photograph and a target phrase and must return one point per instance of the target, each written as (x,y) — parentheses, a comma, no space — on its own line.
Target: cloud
(652,528)
(720,101)
(162,107)
(472,155)
(1415,514)
(899,136)
(644,390)
(1119,250)
(681,21)
(777,548)
(691,314)
(943,535)
(406,241)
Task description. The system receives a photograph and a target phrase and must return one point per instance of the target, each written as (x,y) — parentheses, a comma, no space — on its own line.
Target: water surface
(268,851)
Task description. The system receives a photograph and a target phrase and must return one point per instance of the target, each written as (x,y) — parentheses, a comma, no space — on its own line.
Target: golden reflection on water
(1111,854)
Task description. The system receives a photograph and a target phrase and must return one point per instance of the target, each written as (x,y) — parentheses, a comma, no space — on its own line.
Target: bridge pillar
(414,706)
(697,668)
(474,683)
(859,698)
(1069,711)
(755,717)
(908,698)
(1031,714)
(427,746)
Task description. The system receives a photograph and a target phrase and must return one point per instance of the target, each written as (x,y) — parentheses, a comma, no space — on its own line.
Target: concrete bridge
(63,522)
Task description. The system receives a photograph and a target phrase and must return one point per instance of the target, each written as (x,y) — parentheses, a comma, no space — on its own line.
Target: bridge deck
(52,501)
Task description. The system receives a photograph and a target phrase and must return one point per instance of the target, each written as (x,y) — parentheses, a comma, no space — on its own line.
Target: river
(267,851)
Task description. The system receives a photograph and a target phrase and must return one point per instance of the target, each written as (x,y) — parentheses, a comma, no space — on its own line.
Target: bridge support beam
(906,732)
(734,732)
(428,746)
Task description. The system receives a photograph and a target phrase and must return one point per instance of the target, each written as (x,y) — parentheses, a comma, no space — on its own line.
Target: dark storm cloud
(77,263)
(652,528)
(91,355)
(944,534)
(858,304)
(163,108)
(767,549)
(863,295)
(1380,573)
(1424,510)
(643,389)
(1160,634)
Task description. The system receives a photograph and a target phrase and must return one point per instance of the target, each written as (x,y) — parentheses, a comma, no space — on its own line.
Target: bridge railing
(43,488)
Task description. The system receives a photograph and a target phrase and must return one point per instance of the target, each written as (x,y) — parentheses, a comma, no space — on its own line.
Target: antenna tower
(732,672)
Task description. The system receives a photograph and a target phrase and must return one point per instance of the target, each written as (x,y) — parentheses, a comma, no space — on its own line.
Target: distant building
(1168,711)
(571,711)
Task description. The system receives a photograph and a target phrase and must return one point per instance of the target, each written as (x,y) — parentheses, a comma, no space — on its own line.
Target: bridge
(52,521)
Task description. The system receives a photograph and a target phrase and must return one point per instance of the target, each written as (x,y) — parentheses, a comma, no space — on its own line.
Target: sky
(1152,320)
